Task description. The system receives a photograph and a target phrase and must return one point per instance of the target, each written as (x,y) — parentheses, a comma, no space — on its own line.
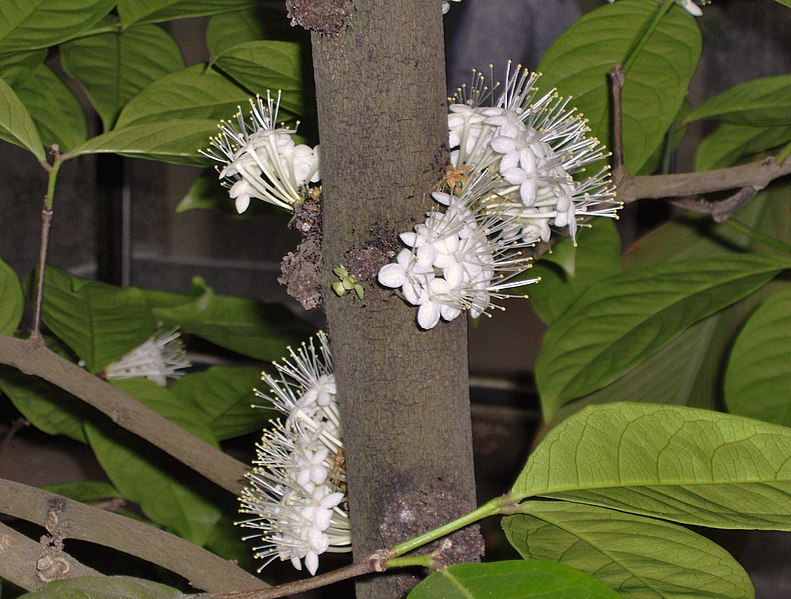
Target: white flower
(159,357)
(261,160)
(297,487)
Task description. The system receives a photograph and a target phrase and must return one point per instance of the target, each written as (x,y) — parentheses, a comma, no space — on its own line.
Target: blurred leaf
(764,102)
(245,326)
(267,65)
(176,142)
(149,11)
(636,556)
(114,67)
(511,580)
(30,24)
(730,144)
(222,396)
(104,587)
(54,108)
(617,323)
(168,493)
(196,92)
(16,124)
(758,376)
(570,270)
(85,316)
(85,491)
(16,68)
(693,466)
(12,301)
(207,193)
(227,30)
(579,61)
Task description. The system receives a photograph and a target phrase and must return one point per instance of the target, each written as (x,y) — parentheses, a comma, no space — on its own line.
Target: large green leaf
(222,396)
(149,11)
(758,376)
(16,68)
(511,580)
(196,92)
(104,587)
(99,322)
(263,65)
(16,124)
(245,326)
(227,30)
(54,108)
(619,322)
(167,493)
(29,24)
(114,67)
(683,464)
(86,491)
(570,269)
(12,301)
(636,556)
(173,141)
(763,102)
(579,61)
(730,144)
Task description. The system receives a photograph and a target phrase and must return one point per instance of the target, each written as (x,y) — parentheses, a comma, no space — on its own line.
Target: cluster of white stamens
(261,160)
(297,489)
(160,357)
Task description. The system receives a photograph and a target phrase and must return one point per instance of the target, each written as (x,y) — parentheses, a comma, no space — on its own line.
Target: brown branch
(755,175)
(67,519)
(21,562)
(721,210)
(327,16)
(372,563)
(33,358)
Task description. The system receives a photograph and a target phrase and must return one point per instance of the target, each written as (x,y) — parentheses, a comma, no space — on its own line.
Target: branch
(21,563)
(75,520)
(34,358)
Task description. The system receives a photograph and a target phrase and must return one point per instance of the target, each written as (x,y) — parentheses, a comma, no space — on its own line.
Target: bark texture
(403,392)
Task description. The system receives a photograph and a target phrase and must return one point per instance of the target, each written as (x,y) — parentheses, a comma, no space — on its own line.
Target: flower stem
(645,35)
(490,508)
(747,230)
(424,561)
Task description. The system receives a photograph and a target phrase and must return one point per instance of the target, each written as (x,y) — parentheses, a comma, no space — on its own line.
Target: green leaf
(16,68)
(227,30)
(85,491)
(785,3)
(248,327)
(619,322)
(207,193)
(636,556)
(579,61)
(196,92)
(30,24)
(85,316)
(511,580)
(222,397)
(569,270)
(730,144)
(16,124)
(150,11)
(176,142)
(12,300)
(54,108)
(104,587)
(763,102)
(691,466)
(263,65)
(758,377)
(114,67)
(168,493)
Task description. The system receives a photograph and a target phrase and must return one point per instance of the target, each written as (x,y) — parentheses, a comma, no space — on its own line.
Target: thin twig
(721,210)
(372,563)
(46,225)
(36,359)
(68,519)
(17,425)
(616,86)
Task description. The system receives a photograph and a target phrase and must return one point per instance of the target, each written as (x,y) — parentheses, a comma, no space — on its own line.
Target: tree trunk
(404,392)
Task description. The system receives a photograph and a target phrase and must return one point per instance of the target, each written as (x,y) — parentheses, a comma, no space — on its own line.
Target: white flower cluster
(297,489)
(161,356)
(261,160)
(514,173)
